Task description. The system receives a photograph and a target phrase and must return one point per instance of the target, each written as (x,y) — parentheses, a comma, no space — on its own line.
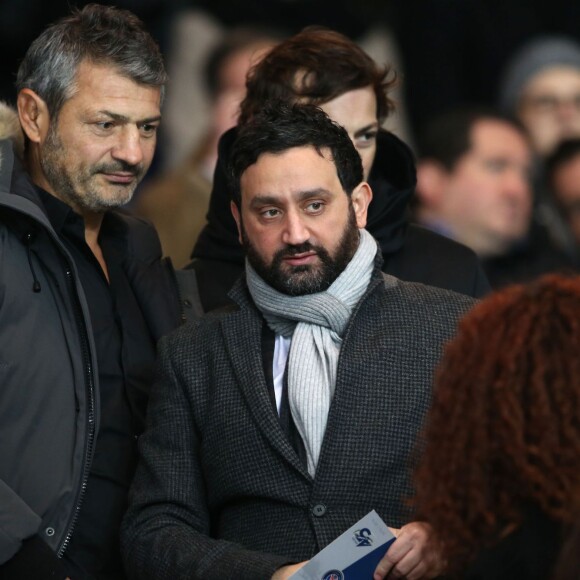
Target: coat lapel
(344,429)
(243,338)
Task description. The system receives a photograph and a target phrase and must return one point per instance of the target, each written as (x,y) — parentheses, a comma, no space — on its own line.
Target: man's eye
(315,206)
(544,103)
(149,129)
(496,165)
(105,125)
(270,213)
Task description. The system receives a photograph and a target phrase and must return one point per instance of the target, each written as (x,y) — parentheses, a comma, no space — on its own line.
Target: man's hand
(287,571)
(413,555)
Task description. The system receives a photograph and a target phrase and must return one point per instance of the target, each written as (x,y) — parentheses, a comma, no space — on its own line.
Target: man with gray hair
(84,294)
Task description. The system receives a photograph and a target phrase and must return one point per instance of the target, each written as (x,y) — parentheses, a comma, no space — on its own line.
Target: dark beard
(307,279)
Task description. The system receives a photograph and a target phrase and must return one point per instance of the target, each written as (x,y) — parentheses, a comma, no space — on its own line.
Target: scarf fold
(316,323)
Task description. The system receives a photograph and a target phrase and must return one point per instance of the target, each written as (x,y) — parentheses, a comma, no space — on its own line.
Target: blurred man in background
(474,186)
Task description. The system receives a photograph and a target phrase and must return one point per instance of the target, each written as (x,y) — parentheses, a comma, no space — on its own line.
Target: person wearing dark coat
(339,74)
(84,295)
(277,423)
(475,187)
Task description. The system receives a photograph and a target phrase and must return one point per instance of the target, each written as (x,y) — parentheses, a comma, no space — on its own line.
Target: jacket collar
(392,179)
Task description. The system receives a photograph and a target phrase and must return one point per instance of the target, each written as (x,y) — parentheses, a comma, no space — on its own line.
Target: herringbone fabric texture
(220,492)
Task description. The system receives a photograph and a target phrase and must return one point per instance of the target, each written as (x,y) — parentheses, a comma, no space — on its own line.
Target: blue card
(354,555)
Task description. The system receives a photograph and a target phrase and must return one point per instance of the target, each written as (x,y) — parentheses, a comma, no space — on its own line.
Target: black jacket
(49,396)
(410,252)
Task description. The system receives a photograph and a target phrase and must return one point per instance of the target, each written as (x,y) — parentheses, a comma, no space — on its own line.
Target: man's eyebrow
(264,199)
(269,199)
(370,127)
(309,193)
(124,119)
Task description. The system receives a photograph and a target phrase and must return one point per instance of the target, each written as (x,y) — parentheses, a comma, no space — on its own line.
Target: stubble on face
(310,278)
(81,188)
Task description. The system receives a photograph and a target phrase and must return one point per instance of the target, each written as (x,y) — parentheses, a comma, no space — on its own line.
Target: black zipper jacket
(49,412)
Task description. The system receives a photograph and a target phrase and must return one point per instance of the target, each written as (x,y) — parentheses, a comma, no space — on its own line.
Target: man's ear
(432,180)
(238,218)
(33,114)
(360,198)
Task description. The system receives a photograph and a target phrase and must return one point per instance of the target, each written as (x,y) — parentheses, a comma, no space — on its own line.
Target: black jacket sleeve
(34,561)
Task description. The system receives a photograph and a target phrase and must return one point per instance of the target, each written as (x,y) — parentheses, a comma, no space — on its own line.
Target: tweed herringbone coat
(220,491)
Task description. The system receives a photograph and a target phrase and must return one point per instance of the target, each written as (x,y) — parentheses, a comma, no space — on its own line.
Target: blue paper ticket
(354,555)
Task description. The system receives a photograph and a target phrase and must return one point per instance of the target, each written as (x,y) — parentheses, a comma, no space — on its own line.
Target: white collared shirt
(281,350)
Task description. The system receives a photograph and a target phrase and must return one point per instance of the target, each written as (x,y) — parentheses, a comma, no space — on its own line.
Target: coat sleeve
(17,522)
(23,555)
(166,531)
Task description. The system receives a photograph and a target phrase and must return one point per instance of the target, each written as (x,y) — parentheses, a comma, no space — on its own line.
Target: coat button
(319,510)
(49,532)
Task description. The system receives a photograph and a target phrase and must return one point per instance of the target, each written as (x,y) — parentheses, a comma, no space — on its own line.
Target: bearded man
(84,295)
(276,424)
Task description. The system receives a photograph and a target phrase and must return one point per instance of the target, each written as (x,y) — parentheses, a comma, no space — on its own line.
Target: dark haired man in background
(474,186)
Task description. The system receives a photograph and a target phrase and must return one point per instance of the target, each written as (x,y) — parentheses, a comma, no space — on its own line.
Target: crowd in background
(518,60)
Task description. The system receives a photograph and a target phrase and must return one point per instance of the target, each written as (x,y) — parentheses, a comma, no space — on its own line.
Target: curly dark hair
(280,126)
(316,66)
(503,432)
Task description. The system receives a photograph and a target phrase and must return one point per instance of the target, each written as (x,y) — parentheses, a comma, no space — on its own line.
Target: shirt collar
(58,212)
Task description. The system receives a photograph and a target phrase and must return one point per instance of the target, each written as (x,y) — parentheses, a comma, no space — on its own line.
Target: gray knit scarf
(316,323)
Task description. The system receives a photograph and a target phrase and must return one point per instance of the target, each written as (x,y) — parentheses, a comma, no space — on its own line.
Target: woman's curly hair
(504,429)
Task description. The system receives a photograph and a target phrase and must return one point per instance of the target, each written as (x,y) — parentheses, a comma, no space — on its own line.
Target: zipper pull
(35,284)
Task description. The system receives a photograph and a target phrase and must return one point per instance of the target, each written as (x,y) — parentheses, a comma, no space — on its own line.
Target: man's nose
(129,147)
(295,230)
(568,109)
(517,185)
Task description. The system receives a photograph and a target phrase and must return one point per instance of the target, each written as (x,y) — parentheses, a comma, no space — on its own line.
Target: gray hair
(99,34)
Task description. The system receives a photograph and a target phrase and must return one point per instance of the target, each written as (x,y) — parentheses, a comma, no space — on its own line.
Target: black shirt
(125,353)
